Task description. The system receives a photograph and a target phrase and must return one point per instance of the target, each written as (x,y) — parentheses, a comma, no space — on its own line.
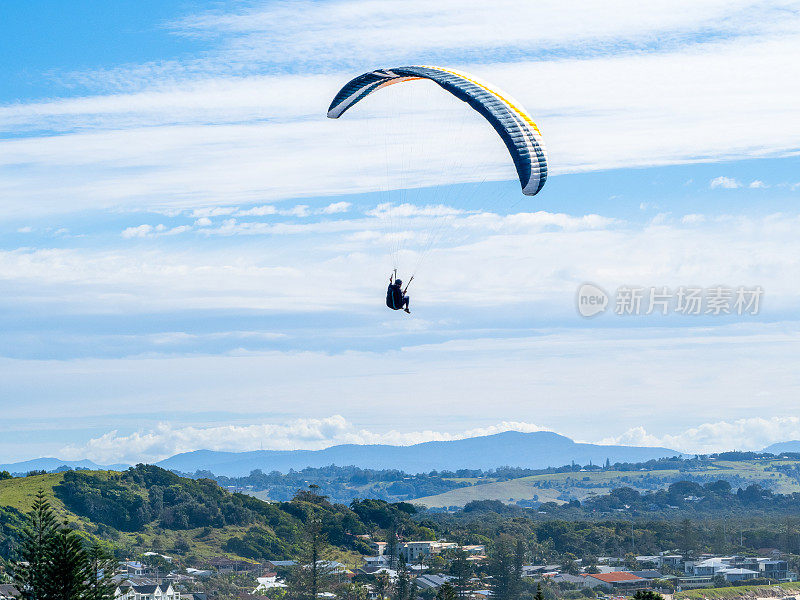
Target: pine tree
(539,595)
(462,571)
(312,578)
(446,592)
(502,572)
(101,569)
(402,588)
(37,539)
(68,570)
(392,545)
(519,561)
(383,586)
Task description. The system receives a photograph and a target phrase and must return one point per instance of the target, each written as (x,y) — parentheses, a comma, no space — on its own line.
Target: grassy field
(581,485)
(742,591)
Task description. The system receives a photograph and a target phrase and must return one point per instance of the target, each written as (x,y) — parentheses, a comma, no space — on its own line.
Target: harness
(394,297)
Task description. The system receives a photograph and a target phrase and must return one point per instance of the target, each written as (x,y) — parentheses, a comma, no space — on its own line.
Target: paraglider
(509,119)
(396,298)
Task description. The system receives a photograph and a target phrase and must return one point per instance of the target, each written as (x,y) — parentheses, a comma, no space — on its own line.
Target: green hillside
(780,476)
(148,508)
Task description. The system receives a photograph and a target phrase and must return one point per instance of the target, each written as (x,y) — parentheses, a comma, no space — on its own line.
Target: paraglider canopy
(516,128)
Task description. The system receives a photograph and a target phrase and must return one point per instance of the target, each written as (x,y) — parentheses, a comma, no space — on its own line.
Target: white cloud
(757,184)
(752,433)
(138,232)
(311,434)
(501,252)
(336,207)
(301,210)
(727,183)
(258,211)
(217,141)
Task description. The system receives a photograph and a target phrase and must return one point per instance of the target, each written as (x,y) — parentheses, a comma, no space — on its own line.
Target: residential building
(617,581)
(432,582)
(146,592)
(268,582)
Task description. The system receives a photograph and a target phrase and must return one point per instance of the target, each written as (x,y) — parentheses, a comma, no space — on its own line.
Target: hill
(512,448)
(779,476)
(149,508)
(792,446)
(52,464)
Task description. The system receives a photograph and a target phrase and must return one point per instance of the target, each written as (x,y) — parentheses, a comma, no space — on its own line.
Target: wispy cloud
(215,140)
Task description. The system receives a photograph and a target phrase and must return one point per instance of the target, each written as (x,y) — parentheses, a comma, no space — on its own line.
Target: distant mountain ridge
(536,450)
(51,464)
(790,446)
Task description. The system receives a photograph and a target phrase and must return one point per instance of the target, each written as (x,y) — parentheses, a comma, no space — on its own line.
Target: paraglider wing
(518,131)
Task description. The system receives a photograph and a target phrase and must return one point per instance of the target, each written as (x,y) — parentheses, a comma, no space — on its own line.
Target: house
(775,569)
(617,581)
(134,568)
(279,565)
(268,582)
(164,556)
(223,564)
(534,570)
(737,568)
(648,574)
(376,561)
(378,547)
(733,574)
(146,592)
(199,572)
(378,570)
(9,592)
(670,561)
(417,551)
(432,582)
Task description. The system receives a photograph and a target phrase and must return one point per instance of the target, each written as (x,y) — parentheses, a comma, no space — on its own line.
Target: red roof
(615,576)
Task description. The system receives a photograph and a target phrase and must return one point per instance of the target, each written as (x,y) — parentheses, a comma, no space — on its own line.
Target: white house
(268,582)
(146,592)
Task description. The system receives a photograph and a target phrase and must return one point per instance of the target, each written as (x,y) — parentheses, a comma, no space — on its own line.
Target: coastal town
(431,566)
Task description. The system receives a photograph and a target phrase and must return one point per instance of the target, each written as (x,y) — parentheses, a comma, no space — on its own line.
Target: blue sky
(192,256)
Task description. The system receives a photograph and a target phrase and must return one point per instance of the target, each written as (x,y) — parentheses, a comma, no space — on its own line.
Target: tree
(539,595)
(310,579)
(68,569)
(392,545)
(101,564)
(462,571)
(506,571)
(37,538)
(352,591)
(383,586)
(647,595)
(446,592)
(402,588)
